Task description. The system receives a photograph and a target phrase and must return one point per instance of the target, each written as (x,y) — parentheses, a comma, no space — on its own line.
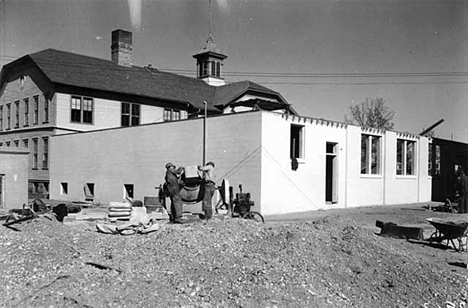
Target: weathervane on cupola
(210,59)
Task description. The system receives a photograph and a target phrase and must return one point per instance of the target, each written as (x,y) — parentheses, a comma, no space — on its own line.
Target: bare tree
(371,113)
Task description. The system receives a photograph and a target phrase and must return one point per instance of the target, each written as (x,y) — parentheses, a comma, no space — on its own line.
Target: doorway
(2,190)
(331,173)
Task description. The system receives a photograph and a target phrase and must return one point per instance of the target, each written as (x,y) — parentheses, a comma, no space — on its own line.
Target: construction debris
(391,229)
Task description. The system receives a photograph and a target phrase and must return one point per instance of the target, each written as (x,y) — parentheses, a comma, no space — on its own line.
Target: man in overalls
(173,190)
(209,179)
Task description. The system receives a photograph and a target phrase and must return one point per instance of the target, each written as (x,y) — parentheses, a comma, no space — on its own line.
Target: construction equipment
(449,231)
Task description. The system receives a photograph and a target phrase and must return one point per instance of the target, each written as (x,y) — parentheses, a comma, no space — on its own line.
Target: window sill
(408,177)
(371,176)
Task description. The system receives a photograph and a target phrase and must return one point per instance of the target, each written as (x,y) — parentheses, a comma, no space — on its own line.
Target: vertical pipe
(204,133)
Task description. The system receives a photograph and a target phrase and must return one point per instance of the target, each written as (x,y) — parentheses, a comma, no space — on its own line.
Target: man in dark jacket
(173,185)
(463,191)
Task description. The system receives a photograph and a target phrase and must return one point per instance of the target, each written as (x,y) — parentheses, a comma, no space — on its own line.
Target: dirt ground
(332,258)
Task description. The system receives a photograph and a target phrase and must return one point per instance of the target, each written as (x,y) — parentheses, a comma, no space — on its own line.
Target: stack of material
(120,211)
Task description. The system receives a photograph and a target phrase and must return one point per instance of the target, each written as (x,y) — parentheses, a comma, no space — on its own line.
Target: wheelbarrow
(449,231)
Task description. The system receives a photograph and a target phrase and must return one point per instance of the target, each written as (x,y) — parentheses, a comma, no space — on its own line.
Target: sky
(322,56)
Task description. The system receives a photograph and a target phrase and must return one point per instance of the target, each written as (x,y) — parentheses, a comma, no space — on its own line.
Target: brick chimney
(121,47)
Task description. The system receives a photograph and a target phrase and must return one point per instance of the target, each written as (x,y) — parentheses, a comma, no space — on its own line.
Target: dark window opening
(128,191)
(64,188)
(297,139)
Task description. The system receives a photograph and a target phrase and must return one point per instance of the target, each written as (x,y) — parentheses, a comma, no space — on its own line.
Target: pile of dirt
(329,262)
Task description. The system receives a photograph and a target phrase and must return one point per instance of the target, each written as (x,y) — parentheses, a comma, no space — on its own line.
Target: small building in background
(446,159)
(13,177)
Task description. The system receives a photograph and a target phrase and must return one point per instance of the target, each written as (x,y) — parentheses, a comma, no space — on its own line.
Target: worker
(209,180)
(173,185)
(463,191)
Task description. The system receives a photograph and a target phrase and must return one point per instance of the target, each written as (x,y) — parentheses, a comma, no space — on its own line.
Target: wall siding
(137,155)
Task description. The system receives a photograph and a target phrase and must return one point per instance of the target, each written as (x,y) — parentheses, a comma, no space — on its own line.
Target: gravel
(330,261)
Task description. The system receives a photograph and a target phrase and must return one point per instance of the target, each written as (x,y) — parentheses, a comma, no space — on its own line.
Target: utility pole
(204,132)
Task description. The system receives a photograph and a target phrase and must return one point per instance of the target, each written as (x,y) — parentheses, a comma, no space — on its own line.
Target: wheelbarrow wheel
(255,216)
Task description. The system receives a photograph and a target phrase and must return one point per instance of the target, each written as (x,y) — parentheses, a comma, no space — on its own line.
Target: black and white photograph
(234,153)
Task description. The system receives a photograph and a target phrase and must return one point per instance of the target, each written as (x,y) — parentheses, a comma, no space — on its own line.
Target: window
(36,109)
(26,143)
(7,143)
(128,191)
(203,69)
(8,124)
(82,109)
(16,143)
(130,114)
(87,110)
(171,115)
(437,160)
(26,112)
(64,188)
(46,110)
(297,141)
(35,152)
(434,160)
(1,144)
(45,155)
(405,157)
(370,154)
(1,118)
(16,114)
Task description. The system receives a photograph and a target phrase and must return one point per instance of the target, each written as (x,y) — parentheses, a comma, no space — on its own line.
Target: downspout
(204,133)
(419,167)
(384,169)
(346,170)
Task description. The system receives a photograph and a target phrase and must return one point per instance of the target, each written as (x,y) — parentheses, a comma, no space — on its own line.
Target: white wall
(285,190)
(252,149)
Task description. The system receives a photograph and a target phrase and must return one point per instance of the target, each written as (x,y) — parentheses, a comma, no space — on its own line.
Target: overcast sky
(414,54)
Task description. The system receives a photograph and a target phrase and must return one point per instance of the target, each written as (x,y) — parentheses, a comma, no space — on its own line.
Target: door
(2,190)
(331,173)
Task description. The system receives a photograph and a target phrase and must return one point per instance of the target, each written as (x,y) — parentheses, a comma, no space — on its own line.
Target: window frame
(1,118)
(299,151)
(46,109)
(26,112)
(17,113)
(45,153)
(131,114)
(369,140)
(8,124)
(170,115)
(404,158)
(36,109)
(83,104)
(35,153)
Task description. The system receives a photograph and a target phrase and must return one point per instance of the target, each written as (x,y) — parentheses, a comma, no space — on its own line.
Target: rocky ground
(318,259)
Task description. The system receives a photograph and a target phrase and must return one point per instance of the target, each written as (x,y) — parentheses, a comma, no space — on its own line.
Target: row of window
(209,68)
(128,189)
(35,150)
(23,113)
(371,147)
(371,155)
(82,109)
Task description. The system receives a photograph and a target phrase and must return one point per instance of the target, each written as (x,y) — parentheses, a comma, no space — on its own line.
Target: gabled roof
(86,72)
(228,93)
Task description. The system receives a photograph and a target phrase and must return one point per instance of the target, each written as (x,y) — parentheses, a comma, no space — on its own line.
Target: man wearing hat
(209,177)
(173,190)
